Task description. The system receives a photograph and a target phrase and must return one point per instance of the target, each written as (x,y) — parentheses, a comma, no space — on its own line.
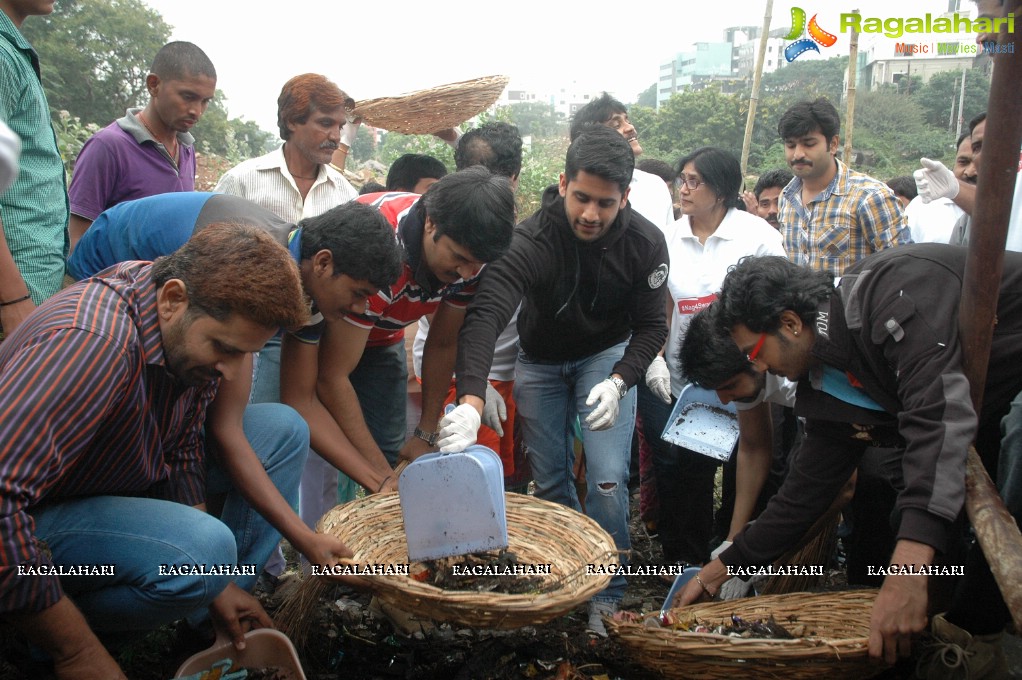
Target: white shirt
(1015,223)
(932,222)
(504,353)
(267,181)
(698,270)
(776,390)
(650,198)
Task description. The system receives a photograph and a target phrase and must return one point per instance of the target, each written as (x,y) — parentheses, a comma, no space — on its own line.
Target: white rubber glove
(458,429)
(935,181)
(604,415)
(349,131)
(658,379)
(494,411)
(10,151)
(734,588)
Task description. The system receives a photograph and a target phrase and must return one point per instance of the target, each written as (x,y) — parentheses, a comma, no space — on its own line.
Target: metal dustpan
(453,504)
(264,648)
(701,423)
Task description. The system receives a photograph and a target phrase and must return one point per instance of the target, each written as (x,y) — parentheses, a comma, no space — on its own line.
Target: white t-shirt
(504,354)
(650,198)
(1015,223)
(932,222)
(776,390)
(698,270)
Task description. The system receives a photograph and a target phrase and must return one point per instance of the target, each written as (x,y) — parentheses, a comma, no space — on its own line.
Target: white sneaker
(597,610)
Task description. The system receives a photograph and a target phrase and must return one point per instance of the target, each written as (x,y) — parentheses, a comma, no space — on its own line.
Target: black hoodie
(578,298)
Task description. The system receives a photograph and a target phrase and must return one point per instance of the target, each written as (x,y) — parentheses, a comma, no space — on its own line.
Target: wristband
(14,302)
(383,483)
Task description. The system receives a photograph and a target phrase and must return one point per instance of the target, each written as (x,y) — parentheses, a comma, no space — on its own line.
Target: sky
(389,48)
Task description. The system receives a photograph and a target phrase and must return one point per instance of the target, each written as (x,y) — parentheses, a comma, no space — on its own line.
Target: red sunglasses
(751,356)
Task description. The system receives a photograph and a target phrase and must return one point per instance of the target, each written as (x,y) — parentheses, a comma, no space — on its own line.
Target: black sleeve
(502,286)
(828,455)
(649,316)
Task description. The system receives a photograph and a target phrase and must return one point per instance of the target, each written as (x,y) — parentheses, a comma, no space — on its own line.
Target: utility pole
(853,57)
(757,77)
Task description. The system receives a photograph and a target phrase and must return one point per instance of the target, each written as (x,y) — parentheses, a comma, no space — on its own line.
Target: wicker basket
(539,532)
(427,111)
(838,649)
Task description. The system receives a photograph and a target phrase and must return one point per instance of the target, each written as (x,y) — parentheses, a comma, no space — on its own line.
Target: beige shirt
(266,181)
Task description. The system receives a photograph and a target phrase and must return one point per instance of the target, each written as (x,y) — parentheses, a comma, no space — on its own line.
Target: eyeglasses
(691,182)
(751,356)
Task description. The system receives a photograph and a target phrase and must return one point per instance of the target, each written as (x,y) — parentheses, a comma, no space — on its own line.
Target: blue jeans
(381,382)
(321,479)
(266,378)
(138,535)
(549,396)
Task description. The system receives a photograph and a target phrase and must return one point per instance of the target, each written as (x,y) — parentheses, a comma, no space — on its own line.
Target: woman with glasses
(712,234)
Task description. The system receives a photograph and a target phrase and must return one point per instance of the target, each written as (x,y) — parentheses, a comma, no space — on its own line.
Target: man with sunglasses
(879,363)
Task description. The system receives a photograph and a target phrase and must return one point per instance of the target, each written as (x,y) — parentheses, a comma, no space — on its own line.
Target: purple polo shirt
(122,162)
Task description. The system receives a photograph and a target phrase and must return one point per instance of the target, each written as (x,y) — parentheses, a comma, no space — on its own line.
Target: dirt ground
(346,640)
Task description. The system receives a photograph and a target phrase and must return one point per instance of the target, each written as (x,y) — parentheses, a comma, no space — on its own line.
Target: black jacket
(892,324)
(578,298)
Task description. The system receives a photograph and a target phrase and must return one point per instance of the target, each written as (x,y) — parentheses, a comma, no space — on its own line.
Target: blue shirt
(158,225)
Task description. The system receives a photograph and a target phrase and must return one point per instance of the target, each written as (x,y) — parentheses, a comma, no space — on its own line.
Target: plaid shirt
(34,209)
(853,217)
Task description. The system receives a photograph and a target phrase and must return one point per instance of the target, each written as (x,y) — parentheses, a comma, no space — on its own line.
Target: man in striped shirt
(361,371)
(103,469)
(33,211)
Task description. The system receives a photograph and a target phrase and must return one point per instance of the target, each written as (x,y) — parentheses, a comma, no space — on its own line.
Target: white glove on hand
(349,131)
(734,588)
(458,429)
(604,415)
(935,181)
(658,379)
(494,411)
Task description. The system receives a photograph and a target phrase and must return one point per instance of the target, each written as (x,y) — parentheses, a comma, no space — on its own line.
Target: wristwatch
(428,437)
(622,388)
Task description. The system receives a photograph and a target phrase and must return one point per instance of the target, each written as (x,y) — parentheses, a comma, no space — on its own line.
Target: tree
(942,91)
(647,97)
(535,119)
(96,55)
(234,139)
(894,129)
(364,146)
(689,120)
(808,80)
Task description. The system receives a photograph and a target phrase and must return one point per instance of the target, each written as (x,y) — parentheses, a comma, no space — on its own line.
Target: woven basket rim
(561,593)
(432,109)
(720,656)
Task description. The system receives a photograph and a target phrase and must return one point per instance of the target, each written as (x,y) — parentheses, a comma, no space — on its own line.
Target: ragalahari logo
(817,36)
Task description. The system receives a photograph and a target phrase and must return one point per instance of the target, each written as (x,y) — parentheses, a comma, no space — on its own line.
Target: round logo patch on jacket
(657,277)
